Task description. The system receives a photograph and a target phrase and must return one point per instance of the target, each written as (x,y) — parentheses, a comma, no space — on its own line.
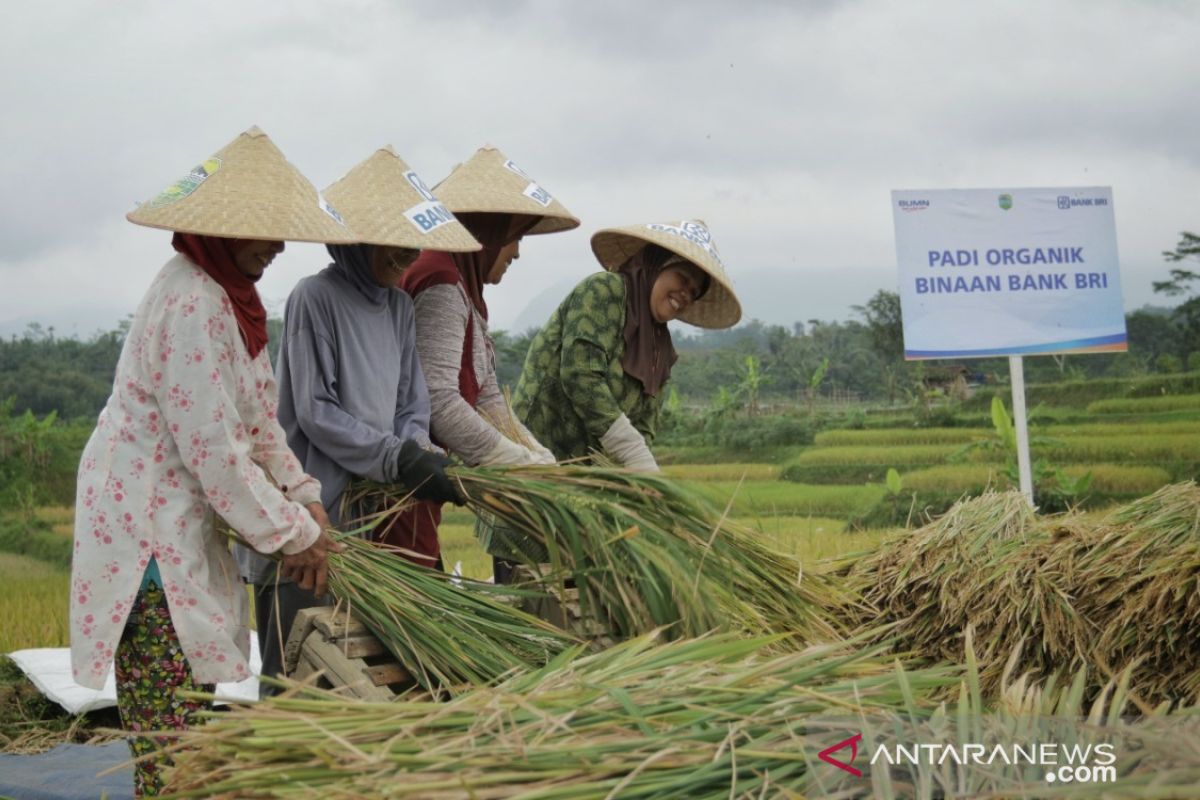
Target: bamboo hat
(491,182)
(387,203)
(248,190)
(689,239)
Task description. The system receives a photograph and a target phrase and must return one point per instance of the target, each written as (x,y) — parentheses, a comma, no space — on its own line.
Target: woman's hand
(509,453)
(628,447)
(310,567)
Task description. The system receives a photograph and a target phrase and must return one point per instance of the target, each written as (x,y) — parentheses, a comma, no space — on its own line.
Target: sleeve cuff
(309,532)
(309,491)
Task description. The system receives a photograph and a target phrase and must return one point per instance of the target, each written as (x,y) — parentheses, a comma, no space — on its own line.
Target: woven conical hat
(387,203)
(691,239)
(491,182)
(248,190)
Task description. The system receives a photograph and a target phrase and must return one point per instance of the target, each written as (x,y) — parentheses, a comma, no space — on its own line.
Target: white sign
(995,272)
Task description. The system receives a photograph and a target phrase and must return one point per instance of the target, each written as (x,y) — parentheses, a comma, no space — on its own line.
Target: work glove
(509,453)
(424,474)
(544,453)
(627,447)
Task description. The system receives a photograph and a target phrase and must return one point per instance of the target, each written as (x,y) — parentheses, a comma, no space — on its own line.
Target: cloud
(784,125)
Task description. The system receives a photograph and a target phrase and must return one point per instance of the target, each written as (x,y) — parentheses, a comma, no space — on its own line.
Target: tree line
(753,363)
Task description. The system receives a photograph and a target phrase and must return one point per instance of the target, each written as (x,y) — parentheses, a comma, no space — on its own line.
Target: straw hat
(491,182)
(690,239)
(248,190)
(387,203)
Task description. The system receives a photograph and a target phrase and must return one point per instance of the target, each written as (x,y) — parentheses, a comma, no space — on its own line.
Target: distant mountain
(773,296)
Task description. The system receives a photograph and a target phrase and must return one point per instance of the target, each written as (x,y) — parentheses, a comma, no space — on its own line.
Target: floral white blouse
(189,431)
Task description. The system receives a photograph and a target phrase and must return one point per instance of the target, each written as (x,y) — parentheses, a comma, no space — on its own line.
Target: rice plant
(699,718)
(645,552)
(1066,592)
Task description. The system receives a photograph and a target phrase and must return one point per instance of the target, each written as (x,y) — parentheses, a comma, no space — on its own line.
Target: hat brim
(489,183)
(386,203)
(718,308)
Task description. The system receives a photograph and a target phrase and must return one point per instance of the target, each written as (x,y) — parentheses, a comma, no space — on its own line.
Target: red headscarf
(216,256)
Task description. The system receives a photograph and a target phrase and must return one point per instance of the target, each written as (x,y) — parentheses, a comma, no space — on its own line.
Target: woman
(499,204)
(188,434)
(353,401)
(594,375)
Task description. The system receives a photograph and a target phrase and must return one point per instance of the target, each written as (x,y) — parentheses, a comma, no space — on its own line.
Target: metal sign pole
(1016,368)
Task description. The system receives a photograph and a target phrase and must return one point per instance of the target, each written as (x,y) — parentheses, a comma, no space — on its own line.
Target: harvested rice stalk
(696,718)
(446,634)
(645,553)
(715,717)
(985,564)
(1142,578)
(1111,596)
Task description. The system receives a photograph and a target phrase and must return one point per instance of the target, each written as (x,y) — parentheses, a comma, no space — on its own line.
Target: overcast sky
(784,125)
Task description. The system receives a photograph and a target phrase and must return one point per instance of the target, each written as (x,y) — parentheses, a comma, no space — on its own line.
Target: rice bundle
(702,718)
(646,553)
(1141,583)
(1115,595)
(445,634)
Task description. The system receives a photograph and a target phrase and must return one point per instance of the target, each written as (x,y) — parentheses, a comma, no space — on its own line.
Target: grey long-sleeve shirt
(350,384)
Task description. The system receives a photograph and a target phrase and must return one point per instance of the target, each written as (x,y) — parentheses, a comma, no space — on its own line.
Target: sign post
(1016,372)
(1008,272)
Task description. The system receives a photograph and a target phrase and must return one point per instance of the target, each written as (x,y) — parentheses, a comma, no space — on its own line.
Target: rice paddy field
(948,590)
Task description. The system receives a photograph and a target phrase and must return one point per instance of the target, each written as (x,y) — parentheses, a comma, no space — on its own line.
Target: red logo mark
(852,743)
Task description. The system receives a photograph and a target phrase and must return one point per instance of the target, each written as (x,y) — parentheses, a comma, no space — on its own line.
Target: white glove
(628,447)
(509,453)
(545,456)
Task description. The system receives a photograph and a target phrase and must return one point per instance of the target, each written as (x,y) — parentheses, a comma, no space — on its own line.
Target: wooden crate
(560,607)
(347,655)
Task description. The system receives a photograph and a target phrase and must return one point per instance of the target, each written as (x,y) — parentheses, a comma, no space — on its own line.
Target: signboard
(995,272)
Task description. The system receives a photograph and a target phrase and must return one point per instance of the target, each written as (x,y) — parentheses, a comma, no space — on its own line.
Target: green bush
(29,536)
(747,434)
(39,458)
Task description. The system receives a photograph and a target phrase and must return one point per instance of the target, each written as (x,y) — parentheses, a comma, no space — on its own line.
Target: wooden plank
(391,672)
(300,631)
(361,646)
(352,674)
(337,624)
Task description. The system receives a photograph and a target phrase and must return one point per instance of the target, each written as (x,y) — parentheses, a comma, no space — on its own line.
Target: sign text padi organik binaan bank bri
(994,272)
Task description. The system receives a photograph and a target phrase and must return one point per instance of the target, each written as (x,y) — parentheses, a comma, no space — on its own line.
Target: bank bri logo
(1064,202)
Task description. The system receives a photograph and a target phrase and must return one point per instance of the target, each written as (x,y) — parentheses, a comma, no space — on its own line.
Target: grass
(722,472)
(670,456)
(1112,479)
(1136,448)
(783,498)
(33,605)
(811,538)
(1145,405)
(460,545)
(904,437)
(895,455)
(899,437)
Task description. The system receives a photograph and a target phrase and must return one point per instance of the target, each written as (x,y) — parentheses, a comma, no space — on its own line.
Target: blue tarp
(68,772)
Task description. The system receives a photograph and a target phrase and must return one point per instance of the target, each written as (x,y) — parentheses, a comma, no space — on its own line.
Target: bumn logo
(826,755)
